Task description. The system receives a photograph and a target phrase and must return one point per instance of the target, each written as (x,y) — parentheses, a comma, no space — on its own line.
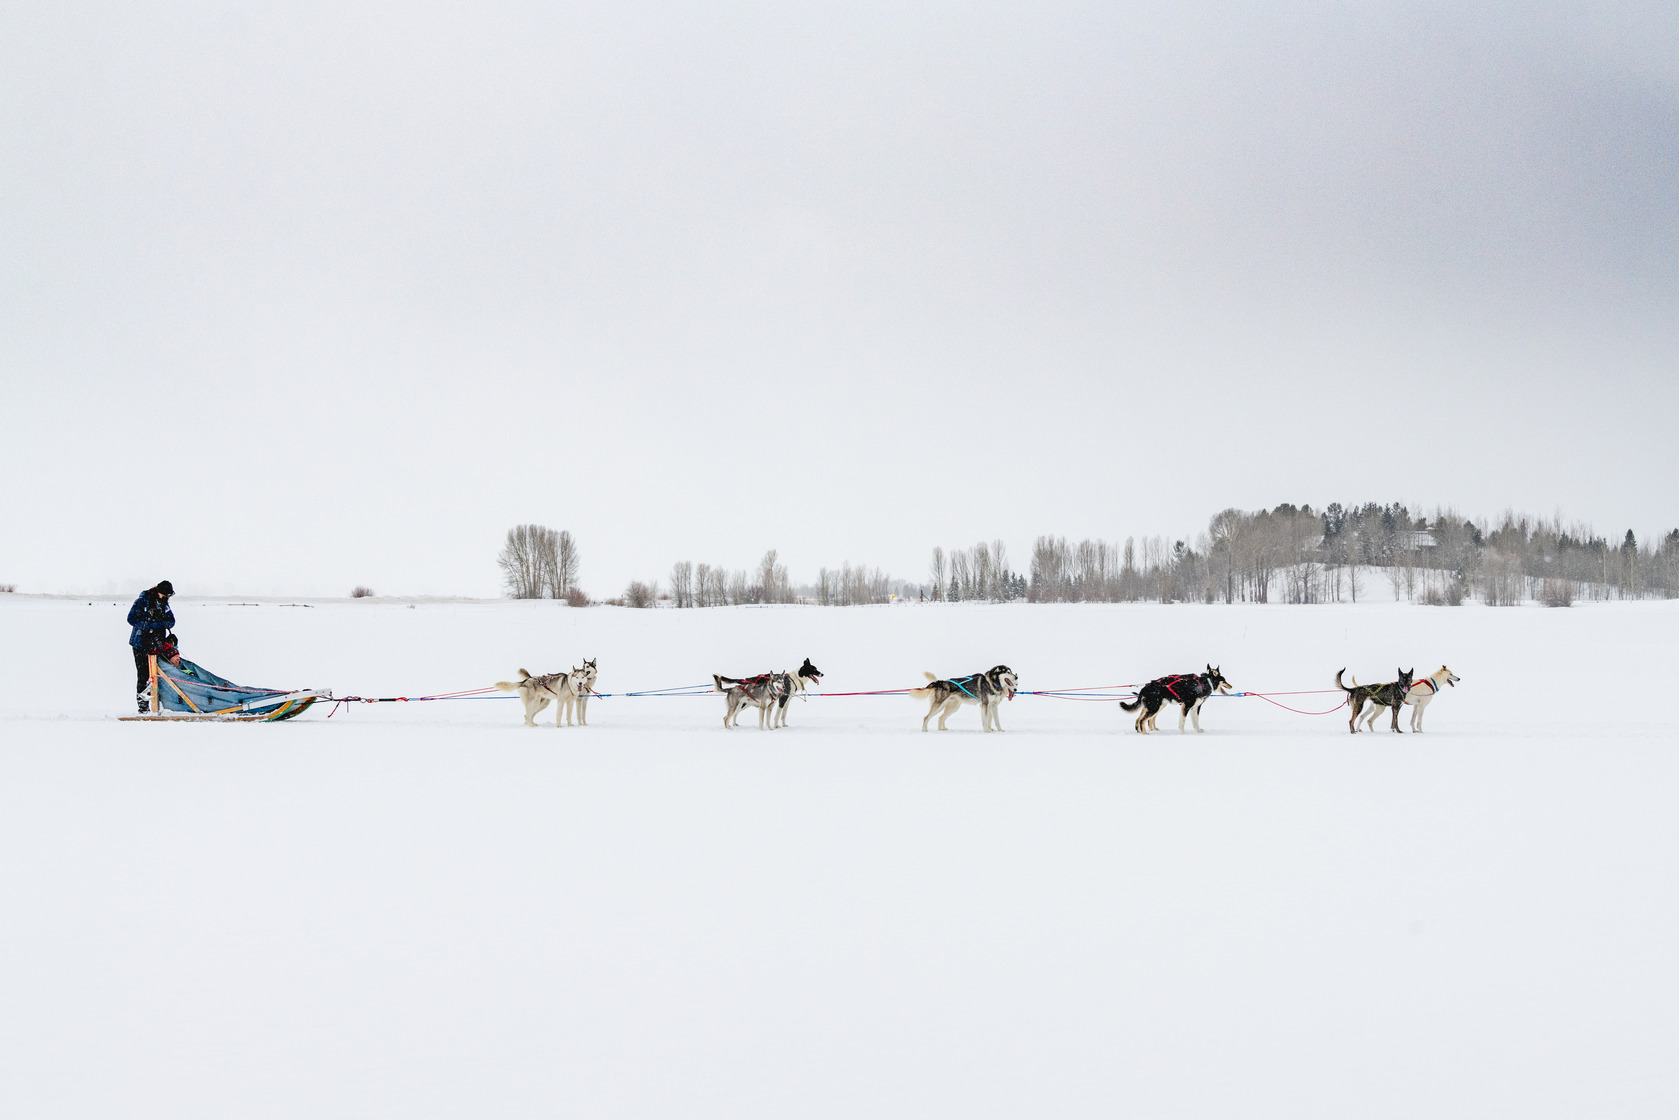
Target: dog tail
(920,692)
(513,686)
(1341,686)
(1133,706)
(717,680)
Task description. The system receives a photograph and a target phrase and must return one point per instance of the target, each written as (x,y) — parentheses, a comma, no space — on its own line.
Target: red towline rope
(1267,698)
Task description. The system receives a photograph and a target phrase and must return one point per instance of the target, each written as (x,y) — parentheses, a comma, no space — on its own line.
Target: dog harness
(1429,681)
(1170,684)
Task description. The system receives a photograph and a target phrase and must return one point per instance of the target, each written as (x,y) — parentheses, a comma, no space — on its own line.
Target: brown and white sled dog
(1378,696)
(789,685)
(538,692)
(1423,691)
(1187,690)
(988,690)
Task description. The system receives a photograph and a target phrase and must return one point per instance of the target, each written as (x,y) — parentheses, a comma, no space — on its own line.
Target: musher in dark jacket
(152,619)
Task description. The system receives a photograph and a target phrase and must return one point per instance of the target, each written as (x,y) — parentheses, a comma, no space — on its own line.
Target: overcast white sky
(298,296)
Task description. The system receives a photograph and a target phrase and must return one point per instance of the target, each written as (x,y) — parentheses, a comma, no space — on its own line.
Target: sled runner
(185,691)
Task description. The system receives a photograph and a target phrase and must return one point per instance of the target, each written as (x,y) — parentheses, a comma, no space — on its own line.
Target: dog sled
(182,690)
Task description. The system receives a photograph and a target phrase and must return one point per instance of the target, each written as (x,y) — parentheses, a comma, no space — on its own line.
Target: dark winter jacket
(151,618)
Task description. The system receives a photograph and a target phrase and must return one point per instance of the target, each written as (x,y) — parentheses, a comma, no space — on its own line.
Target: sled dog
(789,685)
(539,692)
(739,692)
(582,682)
(1187,690)
(1424,690)
(1378,696)
(988,690)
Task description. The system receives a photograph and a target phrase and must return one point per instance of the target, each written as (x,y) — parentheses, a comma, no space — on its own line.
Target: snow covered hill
(431,910)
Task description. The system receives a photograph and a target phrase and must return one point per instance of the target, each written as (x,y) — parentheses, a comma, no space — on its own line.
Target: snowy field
(430,910)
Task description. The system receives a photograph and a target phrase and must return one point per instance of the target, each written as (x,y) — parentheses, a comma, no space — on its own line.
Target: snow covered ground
(429,910)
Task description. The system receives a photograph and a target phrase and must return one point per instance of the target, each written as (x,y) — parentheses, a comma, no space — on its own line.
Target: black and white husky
(1187,690)
(569,690)
(1423,691)
(1378,696)
(789,685)
(988,690)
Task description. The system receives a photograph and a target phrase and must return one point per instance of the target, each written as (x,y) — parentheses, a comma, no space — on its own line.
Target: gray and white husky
(768,692)
(988,689)
(569,690)
(739,692)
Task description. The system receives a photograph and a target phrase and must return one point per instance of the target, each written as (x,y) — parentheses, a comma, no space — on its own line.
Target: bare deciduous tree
(682,583)
(565,565)
(537,562)
(525,560)
(773,584)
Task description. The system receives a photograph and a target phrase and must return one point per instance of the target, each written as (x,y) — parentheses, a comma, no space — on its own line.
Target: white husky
(569,690)
(582,683)
(1423,691)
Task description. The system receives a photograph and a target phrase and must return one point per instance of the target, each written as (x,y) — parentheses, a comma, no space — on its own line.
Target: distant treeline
(1291,554)
(1296,554)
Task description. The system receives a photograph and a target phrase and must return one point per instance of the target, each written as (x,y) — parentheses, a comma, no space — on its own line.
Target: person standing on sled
(151,619)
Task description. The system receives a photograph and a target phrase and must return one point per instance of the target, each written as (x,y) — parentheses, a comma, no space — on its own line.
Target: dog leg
(951,706)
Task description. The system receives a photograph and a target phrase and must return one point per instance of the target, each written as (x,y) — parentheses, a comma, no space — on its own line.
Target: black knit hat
(165,588)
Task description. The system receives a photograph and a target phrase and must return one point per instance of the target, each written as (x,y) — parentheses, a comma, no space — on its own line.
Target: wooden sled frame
(290,704)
